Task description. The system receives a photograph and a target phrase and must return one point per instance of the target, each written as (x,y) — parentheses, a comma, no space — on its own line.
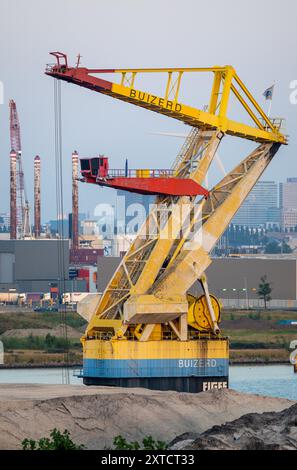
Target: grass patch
(259,355)
(49,343)
(273,315)
(24,358)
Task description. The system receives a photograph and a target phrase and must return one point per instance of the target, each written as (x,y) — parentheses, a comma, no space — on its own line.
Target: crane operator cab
(94,167)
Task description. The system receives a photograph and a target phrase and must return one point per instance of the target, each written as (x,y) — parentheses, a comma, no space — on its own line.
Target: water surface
(272,380)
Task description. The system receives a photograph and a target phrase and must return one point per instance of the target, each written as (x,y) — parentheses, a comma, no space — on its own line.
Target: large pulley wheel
(198,314)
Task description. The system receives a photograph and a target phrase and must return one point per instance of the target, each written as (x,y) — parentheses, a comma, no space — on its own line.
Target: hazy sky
(257,37)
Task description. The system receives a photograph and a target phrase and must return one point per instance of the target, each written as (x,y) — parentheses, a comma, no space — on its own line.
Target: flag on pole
(268,93)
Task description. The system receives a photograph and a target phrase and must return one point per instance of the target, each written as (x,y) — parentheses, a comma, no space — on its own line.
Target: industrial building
(32,265)
(107,265)
(232,278)
(85,256)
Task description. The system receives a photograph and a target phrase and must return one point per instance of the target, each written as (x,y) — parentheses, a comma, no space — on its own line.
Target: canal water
(272,380)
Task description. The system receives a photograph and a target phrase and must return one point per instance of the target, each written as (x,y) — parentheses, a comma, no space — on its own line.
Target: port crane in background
(147,330)
(23,210)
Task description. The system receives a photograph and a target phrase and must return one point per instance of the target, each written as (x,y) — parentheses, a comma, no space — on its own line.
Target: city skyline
(95,124)
(132,198)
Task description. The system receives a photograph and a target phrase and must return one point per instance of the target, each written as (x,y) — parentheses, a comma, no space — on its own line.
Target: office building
(260,209)
(131,211)
(288,203)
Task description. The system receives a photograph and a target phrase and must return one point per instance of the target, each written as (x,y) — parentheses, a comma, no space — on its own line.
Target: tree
(275,247)
(264,290)
(49,341)
(272,247)
(286,248)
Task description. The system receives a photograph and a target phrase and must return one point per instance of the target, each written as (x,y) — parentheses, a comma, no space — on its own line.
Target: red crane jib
(162,186)
(96,171)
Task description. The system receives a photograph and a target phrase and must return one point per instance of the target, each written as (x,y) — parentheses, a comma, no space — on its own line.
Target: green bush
(255,316)
(148,443)
(71,319)
(57,441)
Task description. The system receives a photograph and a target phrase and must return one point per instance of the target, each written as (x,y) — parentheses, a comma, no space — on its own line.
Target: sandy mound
(95,415)
(42,332)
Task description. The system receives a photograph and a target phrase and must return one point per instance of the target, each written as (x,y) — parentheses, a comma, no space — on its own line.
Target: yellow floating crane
(147,329)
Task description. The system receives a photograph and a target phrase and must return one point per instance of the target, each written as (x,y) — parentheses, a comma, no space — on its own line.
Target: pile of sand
(95,415)
(57,331)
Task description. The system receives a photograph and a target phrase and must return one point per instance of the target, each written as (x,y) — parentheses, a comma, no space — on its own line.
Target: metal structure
(37,206)
(142,181)
(13,200)
(23,209)
(147,330)
(75,242)
(226,82)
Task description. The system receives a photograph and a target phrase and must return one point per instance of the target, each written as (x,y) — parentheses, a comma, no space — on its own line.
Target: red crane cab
(94,167)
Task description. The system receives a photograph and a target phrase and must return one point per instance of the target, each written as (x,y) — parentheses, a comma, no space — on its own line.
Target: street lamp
(225,290)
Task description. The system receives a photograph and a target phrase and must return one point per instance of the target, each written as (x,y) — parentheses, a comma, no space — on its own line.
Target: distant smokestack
(75,243)
(13,196)
(37,218)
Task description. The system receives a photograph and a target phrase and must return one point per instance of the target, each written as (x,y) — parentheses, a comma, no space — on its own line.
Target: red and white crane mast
(23,210)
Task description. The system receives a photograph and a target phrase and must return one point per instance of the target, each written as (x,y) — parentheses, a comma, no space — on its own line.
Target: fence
(258,303)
